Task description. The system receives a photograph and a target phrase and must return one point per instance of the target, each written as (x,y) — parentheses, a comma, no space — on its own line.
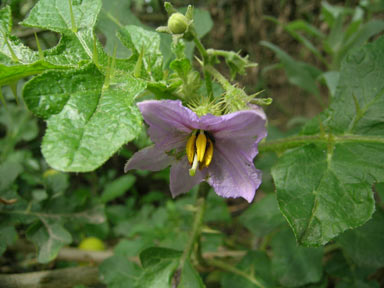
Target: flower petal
(240,131)
(150,158)
(169,122)
(181,181)
(233,175)
(245,123)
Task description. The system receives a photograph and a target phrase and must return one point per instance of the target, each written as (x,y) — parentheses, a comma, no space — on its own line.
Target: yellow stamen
(191,148)
(201,144)
(208,154)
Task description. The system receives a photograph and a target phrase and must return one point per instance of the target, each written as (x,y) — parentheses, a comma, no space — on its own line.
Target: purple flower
(216,149)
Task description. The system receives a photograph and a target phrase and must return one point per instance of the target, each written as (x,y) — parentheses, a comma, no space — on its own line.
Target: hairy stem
(197,224)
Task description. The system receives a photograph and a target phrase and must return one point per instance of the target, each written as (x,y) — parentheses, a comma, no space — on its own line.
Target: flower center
(199,151)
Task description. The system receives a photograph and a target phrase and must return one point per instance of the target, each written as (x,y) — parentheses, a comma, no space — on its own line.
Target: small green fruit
(91,244)
(178,23)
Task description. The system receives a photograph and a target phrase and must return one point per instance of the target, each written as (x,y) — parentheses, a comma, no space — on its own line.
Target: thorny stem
(197,224)
(227,267)
(219,77)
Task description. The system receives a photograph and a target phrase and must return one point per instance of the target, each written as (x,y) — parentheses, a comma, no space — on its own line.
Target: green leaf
(182,67)
(294,265)
(154,255)
(190,278)
(9,170)
(349,274)
(140,40)
(217,209)
(326,188)
(56,15)
(364,245)
(87,121)
(117,188)
(115,14)
(298,73)
(255,263)
(160,266)
(366,31)
(49,236)
(5,20)
(262,217)
(201,20)
(118,272)
(8,236)
(18,61)
(294,29)
(331,79)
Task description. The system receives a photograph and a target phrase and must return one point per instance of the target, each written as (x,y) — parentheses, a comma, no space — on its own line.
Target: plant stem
(281,145)
(204,55)
(227,267)
(197,224)
(2,99)
(219,77)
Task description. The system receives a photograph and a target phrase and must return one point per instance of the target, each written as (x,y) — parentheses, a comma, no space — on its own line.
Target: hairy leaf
(326,188)
(87,121)
(56,15)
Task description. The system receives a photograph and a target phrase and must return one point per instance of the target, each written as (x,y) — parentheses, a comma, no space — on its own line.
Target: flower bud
(177,23)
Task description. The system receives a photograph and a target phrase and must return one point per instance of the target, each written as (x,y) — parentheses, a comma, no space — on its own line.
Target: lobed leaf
(56,15)
(324,189)
(142,41)
(87,122)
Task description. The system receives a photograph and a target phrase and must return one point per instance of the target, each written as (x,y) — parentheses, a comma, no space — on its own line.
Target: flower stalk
(197,224)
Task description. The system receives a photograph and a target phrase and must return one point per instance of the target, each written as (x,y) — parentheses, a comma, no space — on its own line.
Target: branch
(63,278)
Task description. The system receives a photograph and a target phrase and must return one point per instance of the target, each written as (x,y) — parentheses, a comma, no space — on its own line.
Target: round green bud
(177,23)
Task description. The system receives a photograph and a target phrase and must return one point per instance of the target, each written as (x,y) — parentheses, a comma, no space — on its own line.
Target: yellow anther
(190,148)
(201,144)
(208,154)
